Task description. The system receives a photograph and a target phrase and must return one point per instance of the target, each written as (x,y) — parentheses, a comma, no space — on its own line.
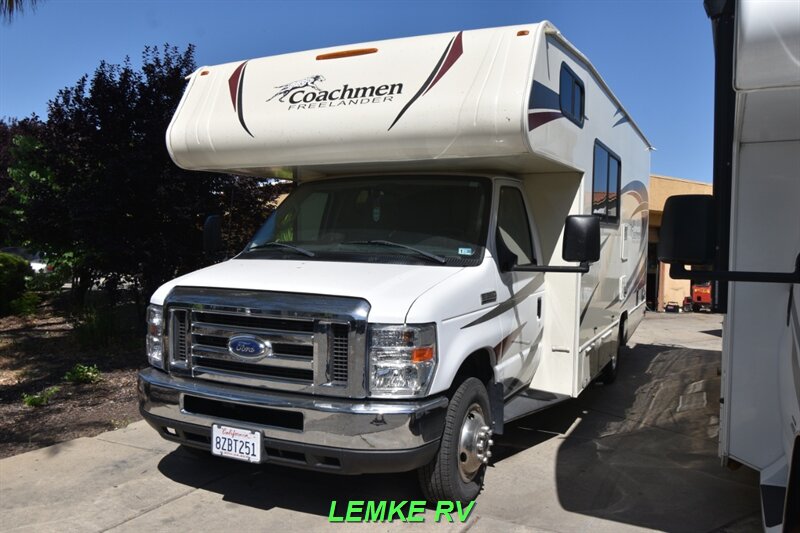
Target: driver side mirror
(687,230)
(581,244)
(688,237)
(581,239)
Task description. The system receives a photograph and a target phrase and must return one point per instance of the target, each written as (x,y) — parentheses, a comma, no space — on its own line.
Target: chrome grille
(291,361)
(340,348)
(179,324)
(314,344)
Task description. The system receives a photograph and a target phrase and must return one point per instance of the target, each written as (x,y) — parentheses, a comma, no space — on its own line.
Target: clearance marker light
(204,73)
(520,33)
(347,53)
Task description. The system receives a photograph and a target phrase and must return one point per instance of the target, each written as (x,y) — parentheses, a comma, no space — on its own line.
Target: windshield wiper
(423,253)
(303,251)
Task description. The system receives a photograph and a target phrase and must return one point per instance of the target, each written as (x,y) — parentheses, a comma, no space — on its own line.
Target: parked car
(672,307)
(36,259)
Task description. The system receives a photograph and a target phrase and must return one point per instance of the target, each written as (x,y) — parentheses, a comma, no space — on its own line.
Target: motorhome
(748,233)
(466,245)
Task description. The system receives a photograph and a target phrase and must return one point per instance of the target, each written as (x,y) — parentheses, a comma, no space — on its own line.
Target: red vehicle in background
(701,296)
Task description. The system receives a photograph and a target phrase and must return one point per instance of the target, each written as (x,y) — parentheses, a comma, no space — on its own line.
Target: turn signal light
(420,355)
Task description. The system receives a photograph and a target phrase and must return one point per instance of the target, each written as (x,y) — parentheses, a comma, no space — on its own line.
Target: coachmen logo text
(305,94)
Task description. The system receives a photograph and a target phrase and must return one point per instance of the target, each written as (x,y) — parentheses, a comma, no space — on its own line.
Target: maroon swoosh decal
(236,86)
(452,56)
(233,83)
(542,117)
(432,78)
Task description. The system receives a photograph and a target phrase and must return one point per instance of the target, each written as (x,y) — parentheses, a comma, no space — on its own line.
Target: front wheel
(456,472)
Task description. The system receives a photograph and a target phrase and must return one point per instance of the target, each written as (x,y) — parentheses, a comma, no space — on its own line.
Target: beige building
(661,288)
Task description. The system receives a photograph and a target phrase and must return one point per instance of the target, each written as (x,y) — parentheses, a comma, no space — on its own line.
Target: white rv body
(760,417)
(483,103)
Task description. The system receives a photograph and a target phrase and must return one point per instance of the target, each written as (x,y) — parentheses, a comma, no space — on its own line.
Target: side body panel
(615,285)
(761,357)
(765,236)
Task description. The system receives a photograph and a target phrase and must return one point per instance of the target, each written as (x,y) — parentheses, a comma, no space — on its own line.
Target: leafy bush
(38,400)
(47,281)
(25,304)
(13,270)
(81,373)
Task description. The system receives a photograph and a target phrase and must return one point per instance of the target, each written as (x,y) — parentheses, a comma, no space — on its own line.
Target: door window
(513,226)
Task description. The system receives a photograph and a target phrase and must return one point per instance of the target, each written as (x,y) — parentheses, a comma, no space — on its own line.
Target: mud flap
(496,405)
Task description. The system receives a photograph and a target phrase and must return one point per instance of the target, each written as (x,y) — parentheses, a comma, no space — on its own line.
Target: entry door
(522,293)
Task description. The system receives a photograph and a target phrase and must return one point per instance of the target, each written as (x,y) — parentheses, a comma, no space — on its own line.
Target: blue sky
(657,56)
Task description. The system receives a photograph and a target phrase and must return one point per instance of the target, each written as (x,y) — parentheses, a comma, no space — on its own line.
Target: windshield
(393,219)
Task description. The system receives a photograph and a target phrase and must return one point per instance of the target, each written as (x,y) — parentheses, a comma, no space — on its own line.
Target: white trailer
(752,227)
(419,288)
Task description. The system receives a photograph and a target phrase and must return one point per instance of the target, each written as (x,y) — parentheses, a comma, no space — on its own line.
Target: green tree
(97,182)
(13,133)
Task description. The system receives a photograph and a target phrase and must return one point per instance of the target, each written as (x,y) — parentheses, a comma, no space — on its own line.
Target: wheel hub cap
(475,442)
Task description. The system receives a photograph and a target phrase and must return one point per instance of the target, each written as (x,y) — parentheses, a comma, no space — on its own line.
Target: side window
(571,95)
(613,188)
(606,184)
(513,226)
(600,190)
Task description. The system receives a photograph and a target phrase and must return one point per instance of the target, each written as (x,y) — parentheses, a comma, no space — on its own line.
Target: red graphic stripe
(542,117)
(452,56)
(436,73)
(233,84)
(239,100)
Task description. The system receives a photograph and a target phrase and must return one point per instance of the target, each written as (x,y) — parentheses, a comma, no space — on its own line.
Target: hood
(390,289)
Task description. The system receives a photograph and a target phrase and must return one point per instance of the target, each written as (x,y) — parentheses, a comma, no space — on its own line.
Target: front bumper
(333,435)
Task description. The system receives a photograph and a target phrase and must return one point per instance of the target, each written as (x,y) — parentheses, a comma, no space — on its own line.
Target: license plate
(236,443)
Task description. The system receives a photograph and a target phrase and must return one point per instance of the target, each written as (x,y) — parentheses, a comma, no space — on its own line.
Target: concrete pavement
(636,455)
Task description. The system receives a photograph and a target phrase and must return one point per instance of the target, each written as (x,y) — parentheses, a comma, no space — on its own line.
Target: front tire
(456,472)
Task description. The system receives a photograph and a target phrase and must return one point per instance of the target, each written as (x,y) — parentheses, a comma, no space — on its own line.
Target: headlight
(155,336)
(401,359)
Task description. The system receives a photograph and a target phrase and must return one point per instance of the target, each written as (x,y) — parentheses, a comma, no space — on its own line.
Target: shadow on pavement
(267,486)
(643,450)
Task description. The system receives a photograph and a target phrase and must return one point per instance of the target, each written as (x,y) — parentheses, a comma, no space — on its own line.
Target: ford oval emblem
(249,347)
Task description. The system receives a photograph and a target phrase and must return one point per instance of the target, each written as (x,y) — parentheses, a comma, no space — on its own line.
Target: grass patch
(40,399)
(81,373)
(25,305)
